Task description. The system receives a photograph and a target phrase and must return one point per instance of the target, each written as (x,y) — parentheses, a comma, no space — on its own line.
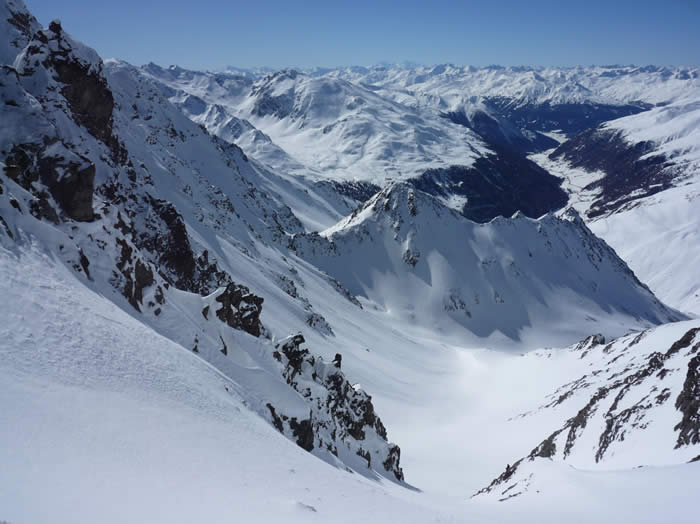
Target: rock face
(68,176)
(62,75)
(90,99)
(688,403)
(342,420)
(240,309)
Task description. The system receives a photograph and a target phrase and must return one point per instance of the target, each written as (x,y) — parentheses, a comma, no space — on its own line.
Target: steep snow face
(511,281)
(636,397)
(659,237)
(154,213)
(334,128)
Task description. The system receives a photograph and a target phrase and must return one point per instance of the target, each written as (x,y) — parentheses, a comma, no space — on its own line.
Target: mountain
(448,85)
(324,128)
(335,127)
(389,123)
(117,183)
(635,180)
(191,333)
(634,404)
(510,280)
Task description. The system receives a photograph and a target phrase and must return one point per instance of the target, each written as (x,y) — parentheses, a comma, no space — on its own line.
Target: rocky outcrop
(69,177)
(240,309)
(688,403)
(83,85)
(342,420)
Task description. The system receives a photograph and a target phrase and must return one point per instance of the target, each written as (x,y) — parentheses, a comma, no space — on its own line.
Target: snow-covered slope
(660,240)
(509,281)
(329,127)
(157,277)
(113,180)
(636,180)
(634,404)
(115,423)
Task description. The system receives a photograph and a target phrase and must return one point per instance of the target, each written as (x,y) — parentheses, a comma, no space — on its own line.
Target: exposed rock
(240,309)
(319,323)
(42,209)
(168,239)
(84,88)
(688,403)
(71,180)
(73,191)
(304,432)
(85,264)
(341,415)
(617,388)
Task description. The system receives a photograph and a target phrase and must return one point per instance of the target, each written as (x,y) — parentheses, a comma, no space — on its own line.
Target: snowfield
(106,420)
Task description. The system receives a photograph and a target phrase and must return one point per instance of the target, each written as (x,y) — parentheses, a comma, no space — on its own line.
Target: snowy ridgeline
(501,284)
(156,279)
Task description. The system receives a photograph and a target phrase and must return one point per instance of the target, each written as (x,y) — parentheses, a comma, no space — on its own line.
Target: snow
(119,423)
(574,180)
(502,282)
(109,415)
(674,129)
(448,86)
(660,240)
(331,128)
(657,235)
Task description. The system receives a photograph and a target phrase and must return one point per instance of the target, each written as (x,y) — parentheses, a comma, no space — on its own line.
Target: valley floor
(105,420)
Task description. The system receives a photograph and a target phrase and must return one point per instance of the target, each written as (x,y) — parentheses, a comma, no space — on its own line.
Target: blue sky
(216,33)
